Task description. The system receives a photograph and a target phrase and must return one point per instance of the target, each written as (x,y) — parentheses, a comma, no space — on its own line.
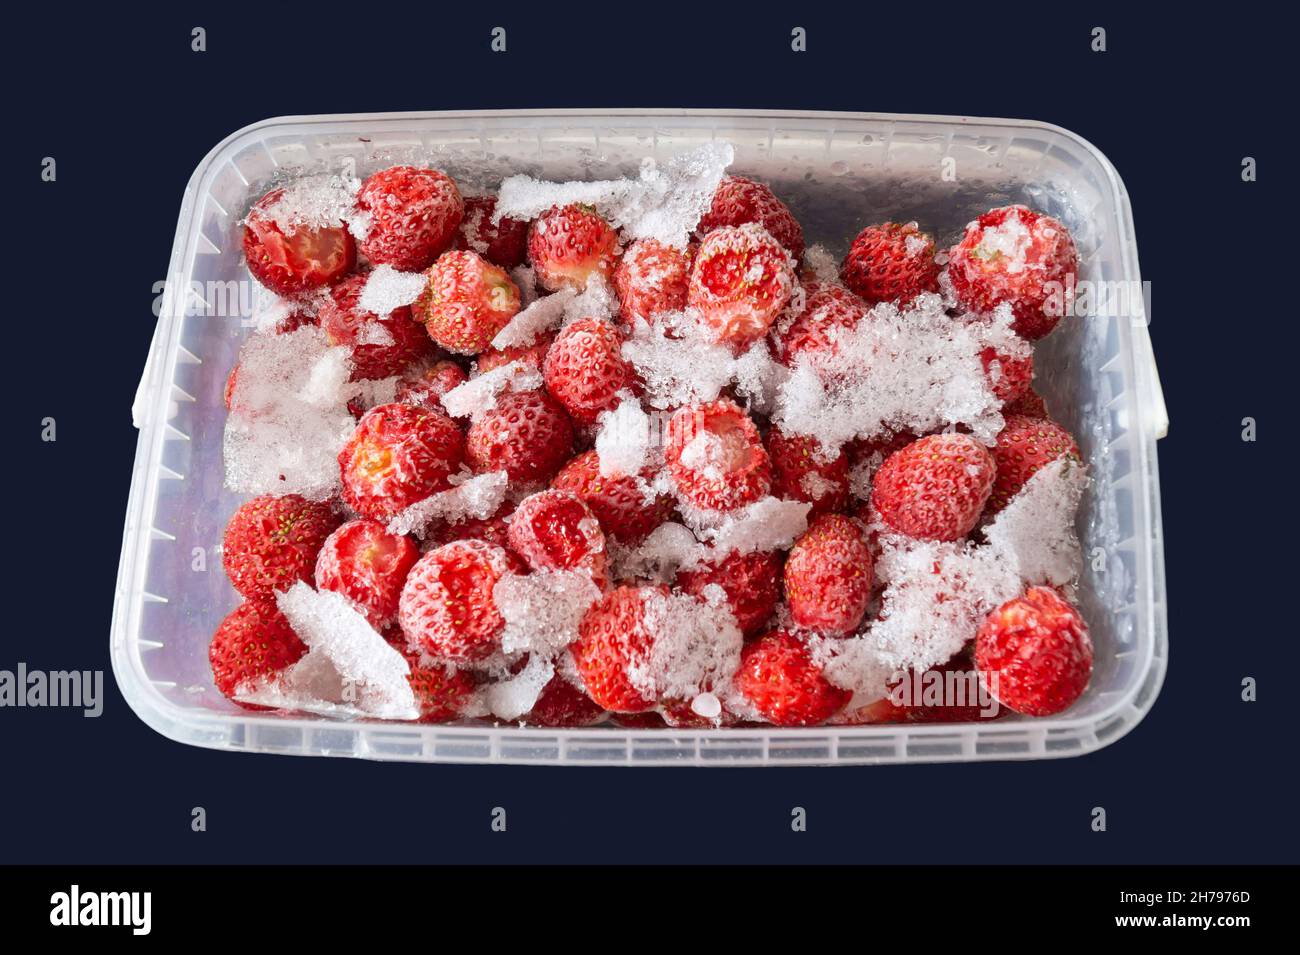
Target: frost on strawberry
(446,607)
(398,455)
(1020,258)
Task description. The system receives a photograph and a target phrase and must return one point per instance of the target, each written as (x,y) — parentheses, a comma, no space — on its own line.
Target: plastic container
(838,171)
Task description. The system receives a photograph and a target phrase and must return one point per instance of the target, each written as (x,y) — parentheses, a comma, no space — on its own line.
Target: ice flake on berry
(663,203)
(511,698)
(695,645)
(471,497)
(349,669)
(480,393)
(542,610)
(540,315)
(912,370)
(290,417)
(623,441)
(1036,528)
(318,202)
(387,289)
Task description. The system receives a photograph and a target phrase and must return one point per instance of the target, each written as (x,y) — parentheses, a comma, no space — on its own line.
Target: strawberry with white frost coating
(1019,257)
(741,280)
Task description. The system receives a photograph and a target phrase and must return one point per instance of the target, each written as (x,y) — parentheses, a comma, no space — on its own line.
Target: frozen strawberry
(380,347)
(423,385)
(446,607)
(569,244)
(801,471)
(829,310)
(554,530)
(1034,653)
(468,301)
(532,355)
(441,692)
(752,583)
(828,576)
(254,643)
(779,679)
(1030,405)
(741,281)
(935,488)
(272,542)
(716,457)
(563,704)
(501,243)
(645,720)
(289,258)
(613,640)
(527,435)
(891,263)
(585,369)
(1009,377)
(651,278)
(494,529)
(1023,446)
(414,214)
(368,565)
(1016,256)
(739,200)
(399,454)
(626,509)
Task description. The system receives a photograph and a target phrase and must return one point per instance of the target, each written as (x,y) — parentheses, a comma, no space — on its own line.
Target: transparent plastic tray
(838,171)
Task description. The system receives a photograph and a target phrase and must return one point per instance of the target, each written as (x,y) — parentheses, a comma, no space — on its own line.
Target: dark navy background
(128,111)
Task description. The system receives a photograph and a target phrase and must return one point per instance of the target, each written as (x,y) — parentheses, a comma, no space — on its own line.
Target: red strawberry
(414,214)
(253,643)
(800,474)
(827,308)
(935,488)
(778,677)
(750,581)
(739,200)
(554,530)
(1023,446)
(891,263)
(828,576)
(1030,404)
(612,639)
(501,243)
(1034,653)
(652,278)
(368,565)
(570,244)
(381,347)
(1008,377)
(272,542)
(533,355)
(527,435)
(468,301)
(424,385)
(715,456)
(440,692)
(563,704)
(585,369)
(1020,257)
(619,503)
(399,454)
(289,259)
(447,608)
(741,281)
(494,529)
